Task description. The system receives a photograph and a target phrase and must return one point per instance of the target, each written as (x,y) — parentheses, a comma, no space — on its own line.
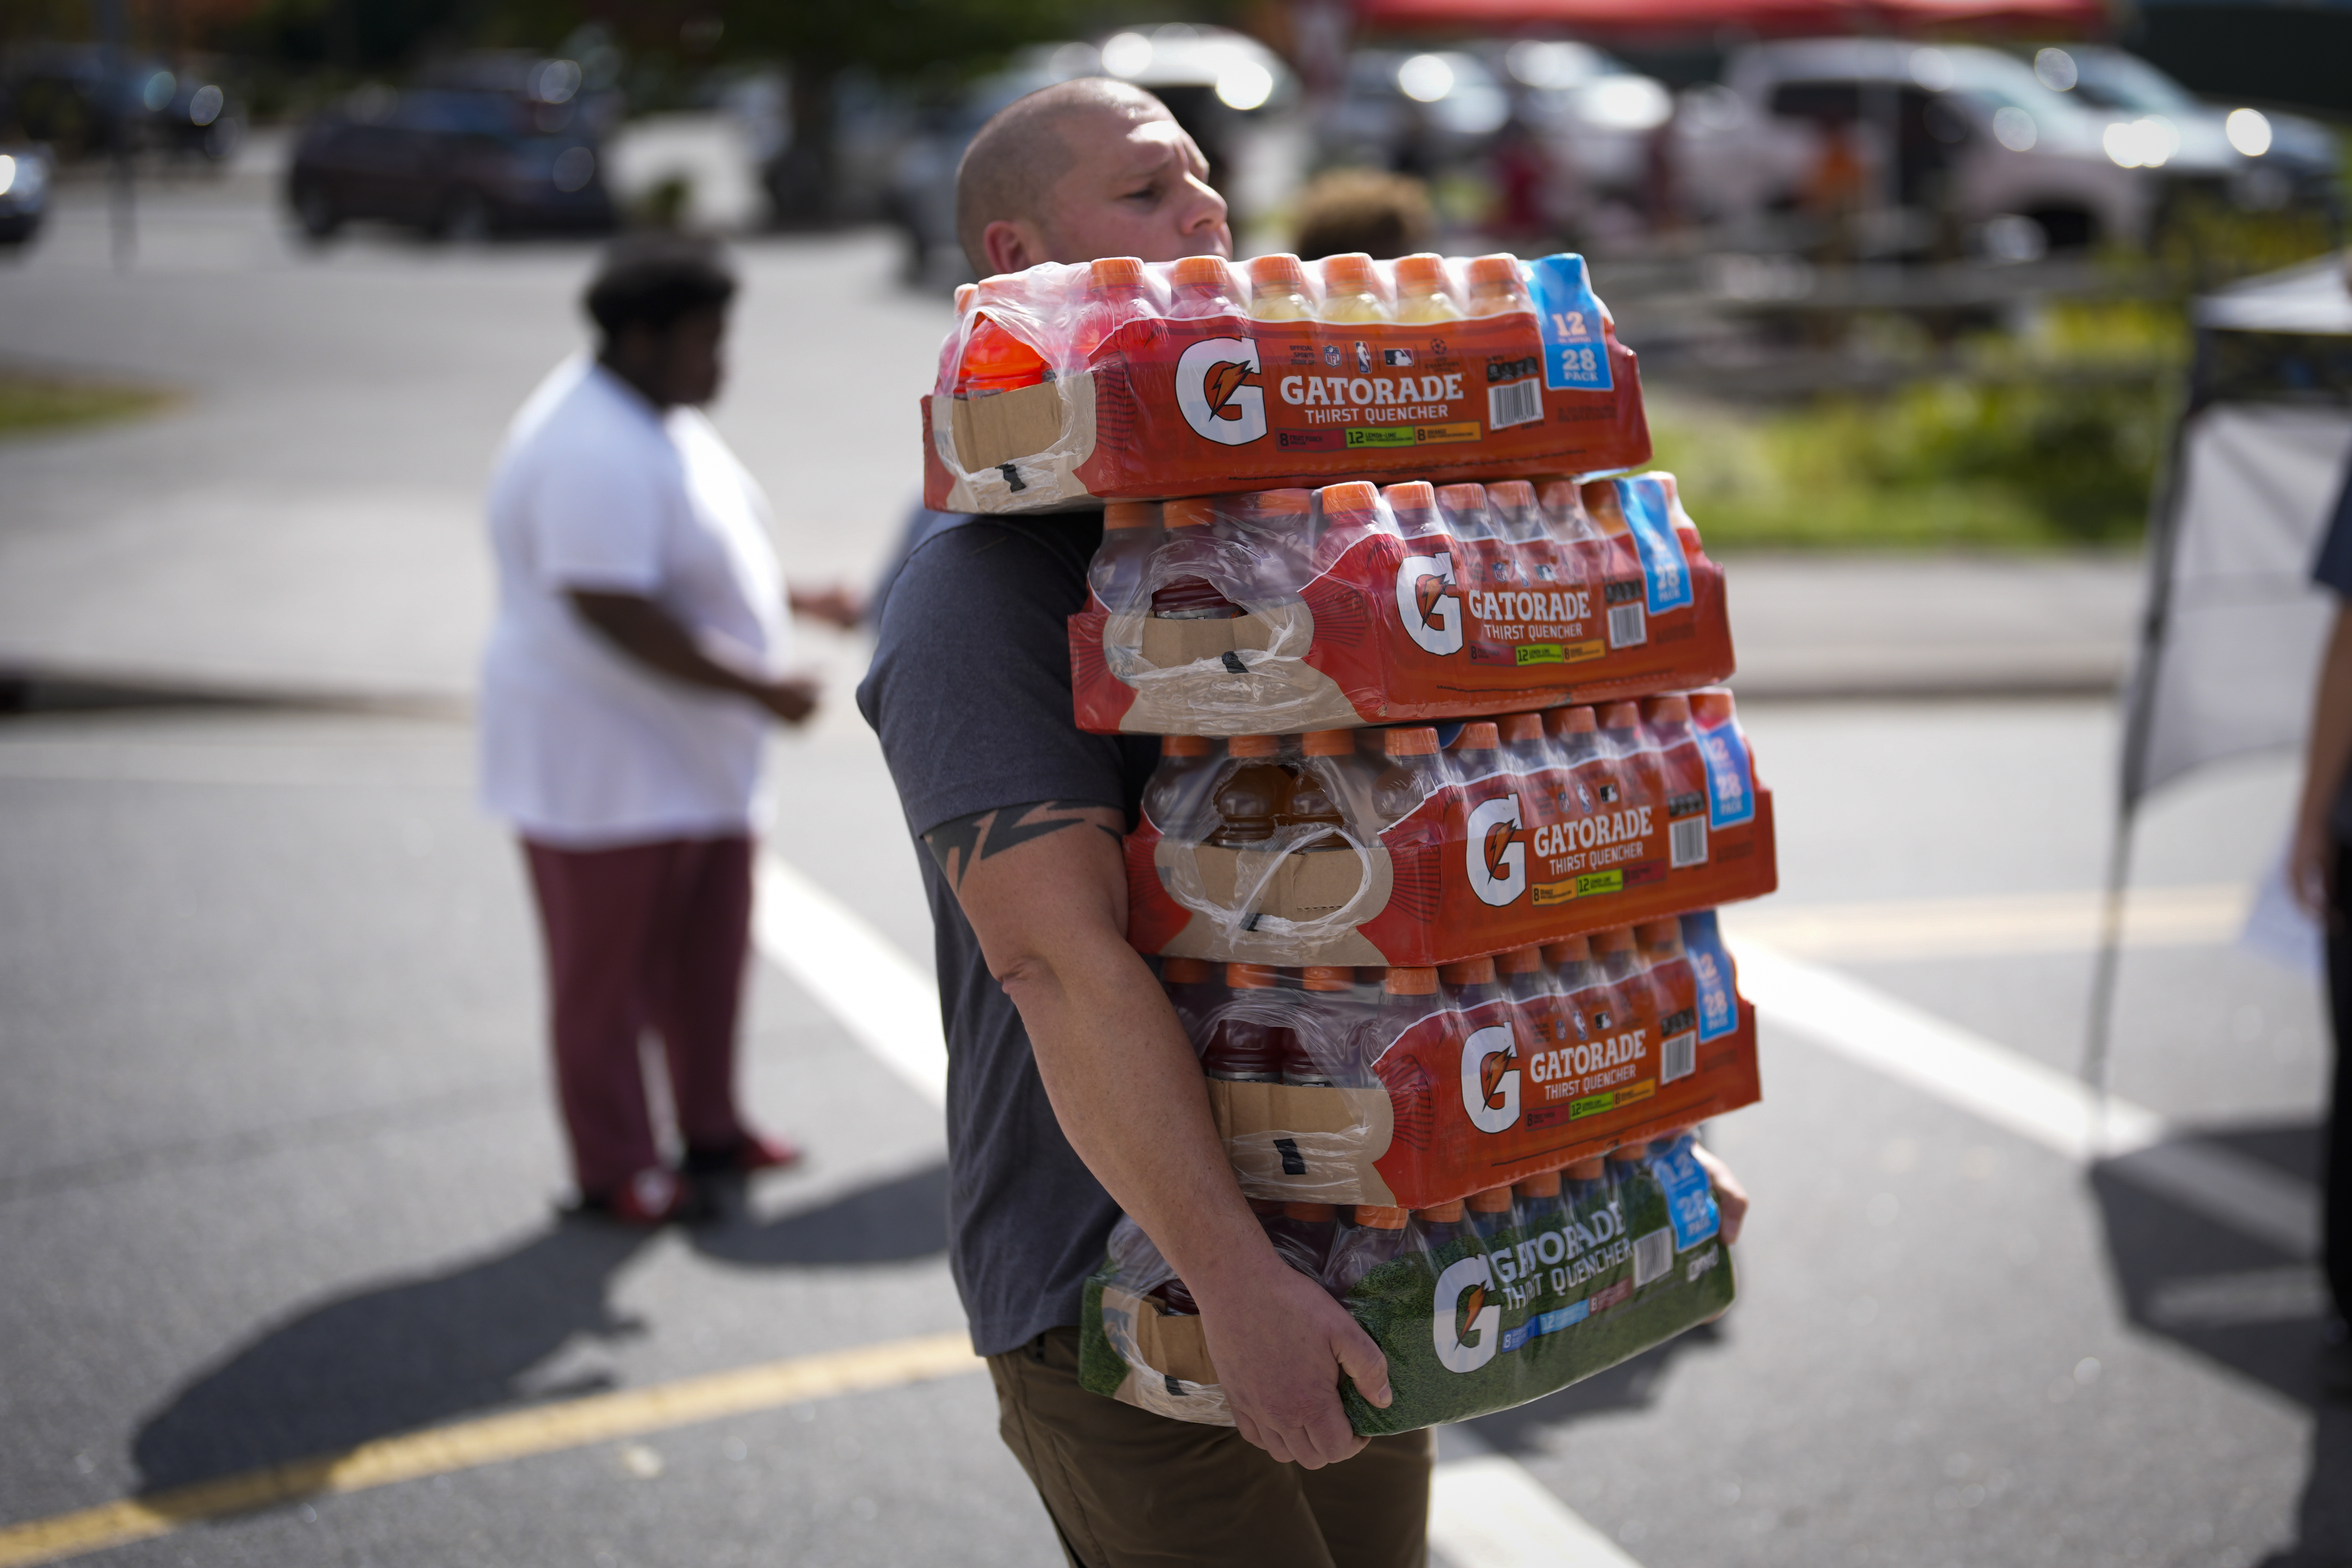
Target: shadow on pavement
(425,1352)
(1628,1385)
(2247,1305)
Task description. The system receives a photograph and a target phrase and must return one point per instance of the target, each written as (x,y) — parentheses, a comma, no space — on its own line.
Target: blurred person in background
(1382,214)
(2320,868)
(1073,1092)
(633,667)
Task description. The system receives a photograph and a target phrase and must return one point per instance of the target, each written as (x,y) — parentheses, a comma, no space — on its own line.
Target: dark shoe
(652,1197)
(754,1151)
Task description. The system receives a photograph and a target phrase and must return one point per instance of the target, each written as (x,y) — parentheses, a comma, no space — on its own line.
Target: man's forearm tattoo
(961,844)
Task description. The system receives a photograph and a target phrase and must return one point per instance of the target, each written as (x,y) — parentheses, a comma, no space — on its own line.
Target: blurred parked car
(1417,115)
(2260,159)
(76,99)
(1594,116)
(24,191)
(1973,138)
(460,162)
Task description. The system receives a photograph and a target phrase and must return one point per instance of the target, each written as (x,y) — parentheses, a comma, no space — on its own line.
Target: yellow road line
(520,1434)
(1992,926)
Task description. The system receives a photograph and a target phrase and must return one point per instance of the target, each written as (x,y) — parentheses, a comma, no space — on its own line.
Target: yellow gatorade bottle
(1421,290)
(1352,289)
(1496,287)
(1279,289)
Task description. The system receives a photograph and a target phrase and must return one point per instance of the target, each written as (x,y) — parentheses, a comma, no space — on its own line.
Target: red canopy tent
(2044,18)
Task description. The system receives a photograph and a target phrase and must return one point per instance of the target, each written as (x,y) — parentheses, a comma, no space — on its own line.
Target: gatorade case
(1210,404)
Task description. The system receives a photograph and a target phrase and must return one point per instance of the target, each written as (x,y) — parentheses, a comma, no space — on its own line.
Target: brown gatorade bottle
(1414,771)
(1131,534)
(1202,286)
(1438,1225)
(1176,800)
(1490,1211)
(1539,1201)
(1190,524)
(1279,289)
(1422,292)
(1317,796)
(1245,1050)
(1302,1235)
(1496,286)
(1329,988)
(1376,1237)
(1251,793)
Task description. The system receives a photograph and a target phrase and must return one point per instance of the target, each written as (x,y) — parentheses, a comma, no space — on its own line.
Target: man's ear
(1013,245)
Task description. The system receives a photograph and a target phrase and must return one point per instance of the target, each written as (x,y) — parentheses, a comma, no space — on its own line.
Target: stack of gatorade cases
(1446,797)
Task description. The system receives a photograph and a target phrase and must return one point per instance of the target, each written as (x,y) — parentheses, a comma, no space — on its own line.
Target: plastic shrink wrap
(1479,1306)
(1413,1087)
(1375,847)
(1117,379)
(1295,610)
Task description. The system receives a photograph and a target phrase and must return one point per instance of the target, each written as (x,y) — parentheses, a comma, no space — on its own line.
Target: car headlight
(2249,131)
(2147,142)
(1625,103)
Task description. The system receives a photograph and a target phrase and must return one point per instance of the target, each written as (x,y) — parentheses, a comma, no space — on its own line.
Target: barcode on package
(1686,842)
(1627,628)
(1514,402)
(1653,1254)
(1678,1056)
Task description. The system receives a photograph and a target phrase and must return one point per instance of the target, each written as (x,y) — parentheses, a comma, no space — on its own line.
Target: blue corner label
(1690,1200)
(1568,315)
(1642,498)
(1719,1000)
(1730,785)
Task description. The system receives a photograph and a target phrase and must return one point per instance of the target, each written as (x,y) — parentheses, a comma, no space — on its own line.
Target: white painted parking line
(1486,1511)
(2011,1091)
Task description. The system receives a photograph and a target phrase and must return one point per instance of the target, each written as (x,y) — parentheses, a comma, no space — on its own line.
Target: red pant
(646,936)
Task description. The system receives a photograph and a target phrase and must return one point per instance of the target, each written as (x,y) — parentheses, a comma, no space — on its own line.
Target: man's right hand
(793,698)
(1280,1344)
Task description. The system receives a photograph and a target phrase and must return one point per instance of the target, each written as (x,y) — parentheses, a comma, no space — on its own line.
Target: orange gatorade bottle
(1202,286)
(995,361)
(1176,800)
(1421,286)
(964,294)
(1376,1237)
(1279,289)
(1242,1046)
(1190,524)
(1352,289)
(1496,287)
(1250,792)
(1318,793)
(1414,771)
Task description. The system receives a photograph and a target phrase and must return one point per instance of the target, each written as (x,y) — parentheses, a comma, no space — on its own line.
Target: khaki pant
(1126,1489)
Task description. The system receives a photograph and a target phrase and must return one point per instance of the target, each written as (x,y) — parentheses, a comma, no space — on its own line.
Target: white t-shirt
(583,747)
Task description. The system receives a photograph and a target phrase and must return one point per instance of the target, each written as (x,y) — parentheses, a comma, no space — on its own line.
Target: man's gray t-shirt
(969,693)
(2333,570)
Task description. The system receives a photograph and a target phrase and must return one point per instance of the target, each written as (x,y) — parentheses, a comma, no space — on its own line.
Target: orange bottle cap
(1185,746)
(1350,272)
(964,293)
(1278,271)
(1282,503)
(1372,1216)
(1522,727)
(1115,272)
(1328,977)
(1487,271)
(1315,1214)
(1444,1214)
(1254,747)
(1477,736)
(1520,961)
(1712,706)
(1330,743)
(1410,982)
(1357,495)
(1198,272)
(1420,272)
(1413,495)
(1417,742)
(1570,722)
(1568,949)
(1463,497)
(1249,977)
(1469,971)
(1512,493)
(1622,716)
(1546,1185)
(1193,511)
(1669,711)
(1493,1200)
(1626,1153)
(1587,1170)
(1617,939)
(1127,514)
(1183,970)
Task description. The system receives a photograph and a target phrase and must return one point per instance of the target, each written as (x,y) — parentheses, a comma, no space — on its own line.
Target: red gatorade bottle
(1636,755)
(1626,586)
(1676,987)
(1189,527)
(1535,994)
(1412,771)
(1466,511)
(1242,1046)
(1132,535)
(1619,957)
(1252,790)
(1538,562)
(1118,291)
(1477,751)
(1283,537)
(1203,285)
(1414,504)
(1574,979)
(1176,801)
(1344,515)
(1533,762)
(1684,774)
(1376,1239)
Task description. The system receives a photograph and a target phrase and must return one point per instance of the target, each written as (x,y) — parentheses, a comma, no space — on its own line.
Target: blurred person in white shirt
(638,657)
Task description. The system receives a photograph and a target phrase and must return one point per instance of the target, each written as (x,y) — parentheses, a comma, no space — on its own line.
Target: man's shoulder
(1030,557)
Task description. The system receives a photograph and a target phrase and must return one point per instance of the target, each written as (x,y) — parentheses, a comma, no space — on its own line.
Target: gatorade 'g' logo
(1490,1078)
(1218,392)
(1427,604)
(1466,1346)
(1497,859)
